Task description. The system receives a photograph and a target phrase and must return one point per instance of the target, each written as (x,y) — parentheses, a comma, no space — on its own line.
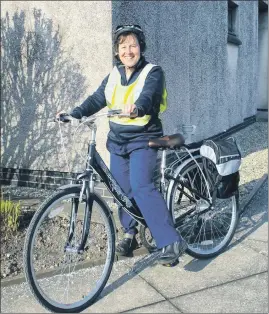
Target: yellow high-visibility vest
(117,96)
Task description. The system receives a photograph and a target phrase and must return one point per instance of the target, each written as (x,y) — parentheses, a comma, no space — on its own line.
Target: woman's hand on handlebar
(62,116)
(131,110)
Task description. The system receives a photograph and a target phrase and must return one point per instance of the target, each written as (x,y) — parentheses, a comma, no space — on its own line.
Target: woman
(138,88)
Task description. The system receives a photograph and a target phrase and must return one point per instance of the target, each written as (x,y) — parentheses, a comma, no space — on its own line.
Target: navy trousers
(134,173)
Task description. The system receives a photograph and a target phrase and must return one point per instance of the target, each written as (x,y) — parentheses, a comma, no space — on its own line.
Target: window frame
(232,21)
(232,12)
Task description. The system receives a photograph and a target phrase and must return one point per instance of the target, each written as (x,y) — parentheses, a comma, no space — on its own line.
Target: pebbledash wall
(215,77)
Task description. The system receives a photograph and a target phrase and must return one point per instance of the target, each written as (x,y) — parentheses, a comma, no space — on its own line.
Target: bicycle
(81,223)
(189,186)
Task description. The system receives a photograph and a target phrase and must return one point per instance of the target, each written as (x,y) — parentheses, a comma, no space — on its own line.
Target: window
(232,23)
(232,11)
(263,6)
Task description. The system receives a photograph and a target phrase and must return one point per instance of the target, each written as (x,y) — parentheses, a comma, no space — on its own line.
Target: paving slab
(254,238)
(252,230)
(18,299)
(254,227)
(247,295)
(192,275)
(123,291)
(126,290)
(133,293)
(159,307)
(243,258)
(260,234)
(258,246)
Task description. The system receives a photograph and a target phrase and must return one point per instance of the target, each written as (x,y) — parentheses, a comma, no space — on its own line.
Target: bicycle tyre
(186,170)
(32,276)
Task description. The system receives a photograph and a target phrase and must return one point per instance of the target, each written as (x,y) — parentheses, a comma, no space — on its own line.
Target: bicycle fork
(86,220)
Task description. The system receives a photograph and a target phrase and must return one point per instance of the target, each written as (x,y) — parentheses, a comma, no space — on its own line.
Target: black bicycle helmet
(131,28)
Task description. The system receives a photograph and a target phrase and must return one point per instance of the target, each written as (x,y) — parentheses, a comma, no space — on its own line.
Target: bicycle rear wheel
(66,281)
(208,231)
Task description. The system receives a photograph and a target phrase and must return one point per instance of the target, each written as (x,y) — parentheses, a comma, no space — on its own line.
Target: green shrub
(9,213)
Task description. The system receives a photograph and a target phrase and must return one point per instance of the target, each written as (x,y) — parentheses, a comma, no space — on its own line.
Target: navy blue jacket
(147,103)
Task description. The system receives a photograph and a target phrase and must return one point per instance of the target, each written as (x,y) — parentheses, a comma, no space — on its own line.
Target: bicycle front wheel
(208,231)
(65,281)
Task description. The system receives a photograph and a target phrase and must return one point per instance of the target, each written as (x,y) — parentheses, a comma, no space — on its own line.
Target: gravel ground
(254,148)
(253,143)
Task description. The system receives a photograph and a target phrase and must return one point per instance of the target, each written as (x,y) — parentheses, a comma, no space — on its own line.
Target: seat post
(163,165)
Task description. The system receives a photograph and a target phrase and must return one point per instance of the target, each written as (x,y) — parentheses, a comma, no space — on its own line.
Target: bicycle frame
(129,205)
(122,199)
(95,164)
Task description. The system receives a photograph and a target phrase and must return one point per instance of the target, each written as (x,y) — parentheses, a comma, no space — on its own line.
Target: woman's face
(129,51)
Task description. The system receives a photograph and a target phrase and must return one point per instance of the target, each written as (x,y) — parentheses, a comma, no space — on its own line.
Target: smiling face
(129,50)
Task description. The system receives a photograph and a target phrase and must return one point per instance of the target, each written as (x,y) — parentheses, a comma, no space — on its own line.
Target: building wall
(211,83)
(85,27)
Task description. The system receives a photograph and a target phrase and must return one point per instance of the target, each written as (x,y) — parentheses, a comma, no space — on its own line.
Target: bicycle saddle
(168,141)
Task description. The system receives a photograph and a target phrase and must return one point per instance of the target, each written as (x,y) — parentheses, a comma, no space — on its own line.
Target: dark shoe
(172,252)
(126,246)
(173,264)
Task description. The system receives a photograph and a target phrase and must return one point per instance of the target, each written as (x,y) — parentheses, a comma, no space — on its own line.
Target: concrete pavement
(234,282)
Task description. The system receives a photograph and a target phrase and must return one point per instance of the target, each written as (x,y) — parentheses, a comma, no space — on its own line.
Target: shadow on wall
(38,79)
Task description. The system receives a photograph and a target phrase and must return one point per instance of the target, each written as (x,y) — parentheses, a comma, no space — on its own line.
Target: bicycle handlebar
(65,117)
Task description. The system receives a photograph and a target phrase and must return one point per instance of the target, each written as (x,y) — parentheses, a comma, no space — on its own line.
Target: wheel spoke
(65,279)
(207,232)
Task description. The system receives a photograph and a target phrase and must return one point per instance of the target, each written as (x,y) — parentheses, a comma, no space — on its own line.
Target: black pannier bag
(226,157)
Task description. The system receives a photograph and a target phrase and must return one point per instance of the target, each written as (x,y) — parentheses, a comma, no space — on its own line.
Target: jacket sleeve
(92,104)
(150,98)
